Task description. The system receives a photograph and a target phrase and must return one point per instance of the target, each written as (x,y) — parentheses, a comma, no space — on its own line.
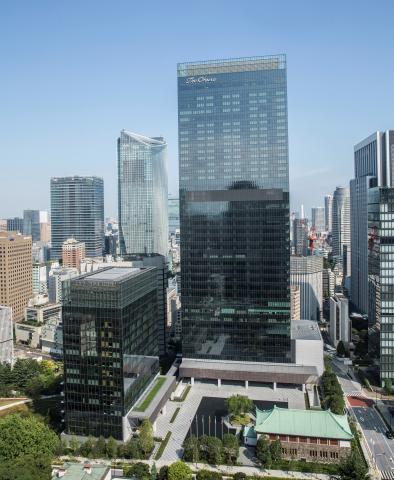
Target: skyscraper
(318,219)
(77,211)
(381,281)
(31,224)
(14,224)
(16,279)
(340,221)
(234,209)
(300,236)
(372,167)
(328,212)
(110,338)
(142,194)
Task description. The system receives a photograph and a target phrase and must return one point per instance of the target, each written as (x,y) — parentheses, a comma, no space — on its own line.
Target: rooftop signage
(200,80)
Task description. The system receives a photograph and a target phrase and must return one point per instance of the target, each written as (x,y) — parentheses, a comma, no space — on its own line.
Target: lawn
(9,402)
(16,409)
(144,405)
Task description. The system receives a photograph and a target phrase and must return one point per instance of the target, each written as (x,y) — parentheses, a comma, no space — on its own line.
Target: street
(348,386)
(374,430)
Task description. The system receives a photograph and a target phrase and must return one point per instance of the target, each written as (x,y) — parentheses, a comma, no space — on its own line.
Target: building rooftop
(75,471)
(305,330)
(304,423)
(111,274)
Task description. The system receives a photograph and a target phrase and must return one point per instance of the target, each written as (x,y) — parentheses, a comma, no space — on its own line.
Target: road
(371,424)
(381,447)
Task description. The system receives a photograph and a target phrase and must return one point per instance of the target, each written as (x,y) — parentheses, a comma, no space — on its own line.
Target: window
(293,451)
(323,454)
(313,453)
(334,455)
(333,442)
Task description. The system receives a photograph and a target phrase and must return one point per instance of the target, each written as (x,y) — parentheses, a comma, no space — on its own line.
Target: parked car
(388,434)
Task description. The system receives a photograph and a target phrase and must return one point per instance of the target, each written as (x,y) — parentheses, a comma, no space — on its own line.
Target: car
(388,434)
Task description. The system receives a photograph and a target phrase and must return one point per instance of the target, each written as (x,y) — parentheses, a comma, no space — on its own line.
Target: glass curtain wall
(142,194)
(234,209)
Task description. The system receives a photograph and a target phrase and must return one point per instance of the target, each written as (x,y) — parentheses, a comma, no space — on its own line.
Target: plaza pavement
(188,409)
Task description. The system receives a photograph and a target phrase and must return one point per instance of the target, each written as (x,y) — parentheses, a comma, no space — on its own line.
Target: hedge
(144,405)
(384,419)
(183,398)
(163,446)
(175,414)
(361,374)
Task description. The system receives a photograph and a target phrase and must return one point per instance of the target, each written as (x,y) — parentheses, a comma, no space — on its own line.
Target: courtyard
(196,406)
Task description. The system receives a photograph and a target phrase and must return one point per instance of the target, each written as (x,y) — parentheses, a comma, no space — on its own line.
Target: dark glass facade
(234,209)
(381,280)
(110,335)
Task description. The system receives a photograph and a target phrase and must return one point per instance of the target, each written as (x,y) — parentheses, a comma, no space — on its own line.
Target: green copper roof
(304,423)
(249,432)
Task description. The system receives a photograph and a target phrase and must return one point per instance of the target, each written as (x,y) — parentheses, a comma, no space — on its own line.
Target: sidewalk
(221,469)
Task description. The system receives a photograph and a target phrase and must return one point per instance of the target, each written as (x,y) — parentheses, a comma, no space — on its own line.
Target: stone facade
(306,448)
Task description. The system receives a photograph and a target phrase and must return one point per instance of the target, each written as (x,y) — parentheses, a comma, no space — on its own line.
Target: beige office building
(295,308)
(16,276)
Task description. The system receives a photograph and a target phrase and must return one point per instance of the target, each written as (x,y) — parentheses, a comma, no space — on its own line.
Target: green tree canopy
(230,447)
(360,348)
(262,449)
(238,404)
(153,472)
(208,475)
(132,451)
(179,471)
(112,447)
(341,350)
(25,436)
(388,384)
(145,438)
(139,470)
(101,445)
(191,448)
(276,450)
(239,476)
(163,473)
(352,468)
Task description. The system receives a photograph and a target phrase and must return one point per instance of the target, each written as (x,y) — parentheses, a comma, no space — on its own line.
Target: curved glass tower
(142,194)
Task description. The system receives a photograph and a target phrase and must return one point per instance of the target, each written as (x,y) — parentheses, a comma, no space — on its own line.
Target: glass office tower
(381,281)
(110,337)
(142,194)
(77,211)
(234,209)
(31,224)
(173,214)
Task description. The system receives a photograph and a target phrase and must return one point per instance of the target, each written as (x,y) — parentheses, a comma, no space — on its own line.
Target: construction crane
(312,237)
(372,236)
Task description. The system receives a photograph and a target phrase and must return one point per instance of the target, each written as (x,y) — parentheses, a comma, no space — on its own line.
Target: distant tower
(340,221)
(77,211)
(318,219)
(328,212)
(142,194)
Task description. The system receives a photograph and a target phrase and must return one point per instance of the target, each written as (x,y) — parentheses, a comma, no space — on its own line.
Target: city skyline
(59,105)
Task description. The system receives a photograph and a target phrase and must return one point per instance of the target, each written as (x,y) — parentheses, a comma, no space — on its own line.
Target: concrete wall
(309,352)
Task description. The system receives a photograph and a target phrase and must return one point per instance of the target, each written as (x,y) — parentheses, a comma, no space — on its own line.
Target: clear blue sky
(74,73)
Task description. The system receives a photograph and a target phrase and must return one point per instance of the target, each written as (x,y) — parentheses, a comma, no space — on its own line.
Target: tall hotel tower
(142,194)
(234,209)
(77,211)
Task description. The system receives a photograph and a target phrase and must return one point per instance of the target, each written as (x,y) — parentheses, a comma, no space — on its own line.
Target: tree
(208,475)
(341,350)
(35,386)
(352,468)
(25,436)
(163,473)
(238,404)
(292,463)
(12,472)
(74,444)
(337,404)
(388,384)
(230,447)
(121,451)
(360,348)
(112,447)
(191,448)
(215,449)
(23,370)
(179,471)
(139,470)
(268,460)
(145,438)
(132,450)
(47,368)
(239,476)
(347,354)
(315,467)
(102,446)
(276,450)
(262,449)
(153,472)
(61,446)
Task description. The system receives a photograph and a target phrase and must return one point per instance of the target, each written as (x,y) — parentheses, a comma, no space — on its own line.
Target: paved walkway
(188,409)
(222,469)
(15,404)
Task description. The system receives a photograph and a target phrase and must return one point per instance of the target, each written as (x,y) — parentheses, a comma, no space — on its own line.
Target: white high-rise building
(318,219)
(328,211)
(340,221)
(6,335)
(142,194)
(307,272)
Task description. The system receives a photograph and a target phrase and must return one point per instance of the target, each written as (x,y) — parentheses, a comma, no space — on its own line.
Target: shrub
(179,471)
(239,476)
(208,475)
